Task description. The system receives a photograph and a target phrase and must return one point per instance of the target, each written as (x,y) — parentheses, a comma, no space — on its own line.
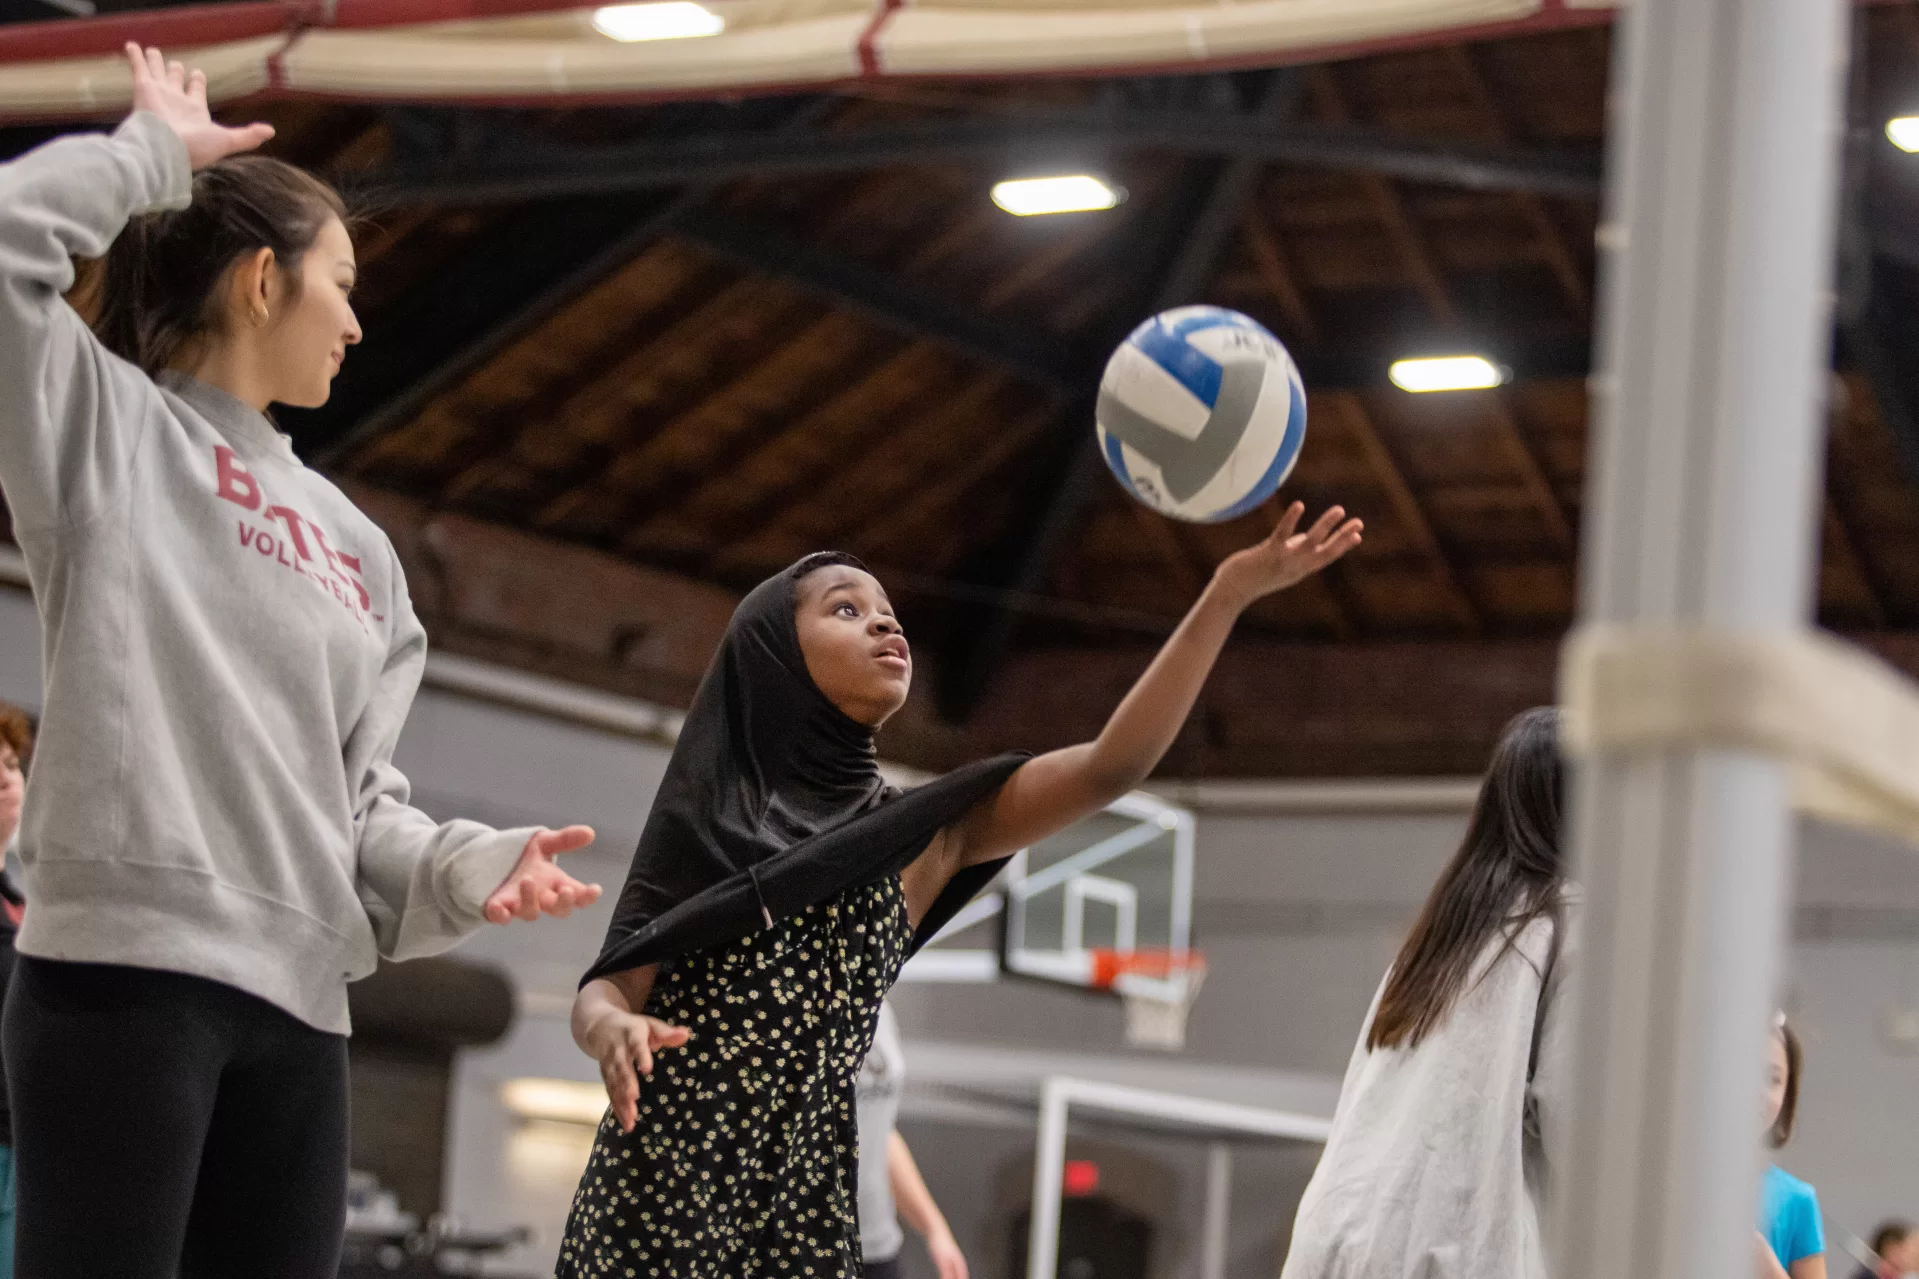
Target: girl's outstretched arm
(610,1028)
(1052,791)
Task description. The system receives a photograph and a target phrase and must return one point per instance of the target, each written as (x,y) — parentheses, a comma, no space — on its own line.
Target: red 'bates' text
(291,540)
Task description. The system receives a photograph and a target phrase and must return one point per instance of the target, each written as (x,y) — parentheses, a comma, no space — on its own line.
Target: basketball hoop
(1158,988)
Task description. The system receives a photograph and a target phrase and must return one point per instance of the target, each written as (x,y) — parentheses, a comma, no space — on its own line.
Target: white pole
(1706,462)
(1219,1201)
(1184,837)
(1049,1171)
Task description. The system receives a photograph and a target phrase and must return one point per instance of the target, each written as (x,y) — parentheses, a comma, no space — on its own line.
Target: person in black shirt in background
(16,753)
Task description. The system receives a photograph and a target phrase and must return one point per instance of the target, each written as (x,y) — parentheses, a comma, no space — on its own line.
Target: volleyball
(1201,414)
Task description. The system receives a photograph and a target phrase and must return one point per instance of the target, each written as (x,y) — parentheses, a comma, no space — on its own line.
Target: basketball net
(1158,988)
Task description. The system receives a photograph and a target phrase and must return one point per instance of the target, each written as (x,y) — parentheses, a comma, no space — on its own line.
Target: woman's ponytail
(163,270)
(123,289)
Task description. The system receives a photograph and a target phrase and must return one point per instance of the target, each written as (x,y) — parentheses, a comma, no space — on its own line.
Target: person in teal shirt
(16,750)
(1789,1220)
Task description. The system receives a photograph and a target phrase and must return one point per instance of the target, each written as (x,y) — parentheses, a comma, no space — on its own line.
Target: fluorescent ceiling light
(1904,132)
(1447,373)
(1072,193)
(566,1101)
(673,20)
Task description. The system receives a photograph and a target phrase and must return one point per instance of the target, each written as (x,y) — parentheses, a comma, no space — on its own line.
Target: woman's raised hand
(624,1044)
(179,97)
(537,887)
(1287,556)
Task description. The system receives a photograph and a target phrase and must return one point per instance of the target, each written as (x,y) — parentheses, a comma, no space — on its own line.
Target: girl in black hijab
(778,887)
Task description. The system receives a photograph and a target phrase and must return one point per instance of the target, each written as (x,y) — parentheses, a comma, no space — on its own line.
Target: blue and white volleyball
(1201,414)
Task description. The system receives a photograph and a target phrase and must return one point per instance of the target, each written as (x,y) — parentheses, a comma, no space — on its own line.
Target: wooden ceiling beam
(1269,258)
(886,478)
(1191,567)
(1407,511)
(913,452)
(1882,339)
(871,397)
(535,262)
(800,374)
(519,273)
(530,168)
(598,409)
(1170,549)
(1356,708)
(1327,591)
(1409,243)
(1279,709)
(1276,270)
(374,242)
(927,256)
(1299,709)
(1029,274)
(1192,268)
(1041,356)
(1465,64)
(882,296)
(1838,539)
(1878,271)
(1183,242)
(1840,445)
(1532,476)
(891,534)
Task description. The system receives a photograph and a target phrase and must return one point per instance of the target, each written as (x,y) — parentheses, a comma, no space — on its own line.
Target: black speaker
(1097,1240)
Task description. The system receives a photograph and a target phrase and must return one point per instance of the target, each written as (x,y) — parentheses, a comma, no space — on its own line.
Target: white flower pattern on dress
(743,1162)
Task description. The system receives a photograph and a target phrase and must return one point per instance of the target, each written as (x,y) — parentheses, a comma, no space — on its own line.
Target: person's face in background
(13,789)
(1777,1072)
(1902,1258)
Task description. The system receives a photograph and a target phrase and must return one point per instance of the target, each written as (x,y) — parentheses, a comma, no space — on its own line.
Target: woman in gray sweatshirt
(1436,1166)
(216,840)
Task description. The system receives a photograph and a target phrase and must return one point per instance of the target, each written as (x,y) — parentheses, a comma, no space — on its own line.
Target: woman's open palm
(1287,556)
(179,97)
(536,886)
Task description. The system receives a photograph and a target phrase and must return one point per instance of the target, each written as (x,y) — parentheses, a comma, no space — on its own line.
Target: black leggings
(167,1125)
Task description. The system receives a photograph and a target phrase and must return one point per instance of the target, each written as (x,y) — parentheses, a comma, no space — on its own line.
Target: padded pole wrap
(1846,722)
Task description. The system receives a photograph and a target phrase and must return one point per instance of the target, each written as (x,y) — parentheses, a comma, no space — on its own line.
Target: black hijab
(773,801)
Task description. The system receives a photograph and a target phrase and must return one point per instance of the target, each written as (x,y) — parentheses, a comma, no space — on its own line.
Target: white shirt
(881,1082)
(1436,1164)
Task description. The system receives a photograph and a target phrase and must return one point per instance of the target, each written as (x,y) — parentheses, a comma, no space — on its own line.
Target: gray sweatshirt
(1437,1162)
(228,646)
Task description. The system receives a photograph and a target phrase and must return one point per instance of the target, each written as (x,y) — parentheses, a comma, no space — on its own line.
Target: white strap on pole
(1847,722)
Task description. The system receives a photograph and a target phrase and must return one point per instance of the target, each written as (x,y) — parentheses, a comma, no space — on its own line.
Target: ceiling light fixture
(1070,193)
(566,1101)
(671,20)
(1904,132)
(1447,373)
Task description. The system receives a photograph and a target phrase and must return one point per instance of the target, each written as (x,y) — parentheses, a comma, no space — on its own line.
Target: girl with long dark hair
(778,887)
(216,840)
(1436,1162)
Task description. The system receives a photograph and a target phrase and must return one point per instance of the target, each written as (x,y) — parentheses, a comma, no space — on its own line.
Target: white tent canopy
(529,51)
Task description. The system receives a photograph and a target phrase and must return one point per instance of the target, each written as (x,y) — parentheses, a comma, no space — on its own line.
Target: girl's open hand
(179,97)
(1287,557)
(624,1044)
(537,887)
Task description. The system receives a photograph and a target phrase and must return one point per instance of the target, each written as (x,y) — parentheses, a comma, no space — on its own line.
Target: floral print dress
(744,1160)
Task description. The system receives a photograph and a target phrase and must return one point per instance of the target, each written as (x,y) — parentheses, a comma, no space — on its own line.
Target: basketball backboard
(1120,880)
